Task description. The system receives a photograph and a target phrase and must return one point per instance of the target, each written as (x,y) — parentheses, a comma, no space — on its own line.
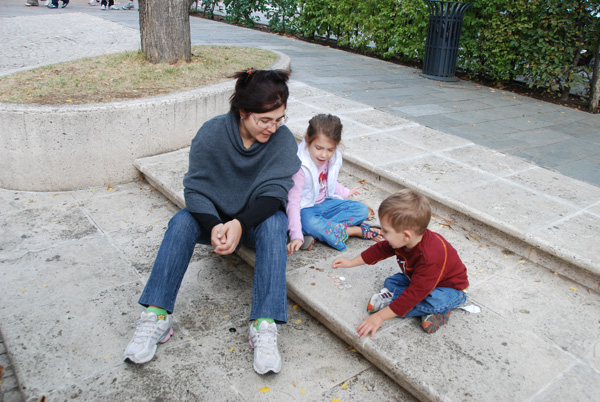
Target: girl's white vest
(310,191)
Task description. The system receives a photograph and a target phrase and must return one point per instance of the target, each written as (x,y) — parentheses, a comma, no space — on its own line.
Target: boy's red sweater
(430,264)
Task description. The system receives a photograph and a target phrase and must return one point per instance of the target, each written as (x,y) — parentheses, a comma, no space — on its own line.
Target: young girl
(316,204)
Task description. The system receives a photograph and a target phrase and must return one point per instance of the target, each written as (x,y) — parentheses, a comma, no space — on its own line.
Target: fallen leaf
(294,384)
(363,181)
(264,389)
(481,271)
(44,286)
(523,260)
(23,290)
(107,356)
(573,289)
(524,311)
(473,237)
(232,349)
(109,188)
(345,385)
(297,321)
(336,400)
(302,391)
(313,284)
(295,306)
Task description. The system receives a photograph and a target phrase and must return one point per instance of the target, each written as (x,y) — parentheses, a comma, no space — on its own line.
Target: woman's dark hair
(328,125)
(259,91)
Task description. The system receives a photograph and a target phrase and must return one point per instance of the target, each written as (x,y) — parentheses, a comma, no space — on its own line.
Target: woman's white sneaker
(150,331)
(264,342)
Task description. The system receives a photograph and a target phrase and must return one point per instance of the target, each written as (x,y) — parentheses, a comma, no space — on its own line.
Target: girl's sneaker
(113,7)
(150,331)
(379,301)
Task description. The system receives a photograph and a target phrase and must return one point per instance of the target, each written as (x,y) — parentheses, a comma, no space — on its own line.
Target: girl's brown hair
(326,124)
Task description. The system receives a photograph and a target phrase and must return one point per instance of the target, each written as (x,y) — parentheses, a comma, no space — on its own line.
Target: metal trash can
(443,35)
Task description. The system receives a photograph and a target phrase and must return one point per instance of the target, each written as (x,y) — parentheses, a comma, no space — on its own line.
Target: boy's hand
(341,262)
(372,323)
(294,245)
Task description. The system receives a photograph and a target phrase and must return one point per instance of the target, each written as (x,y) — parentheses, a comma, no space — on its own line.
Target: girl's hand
(342,262)
(354,191)
(294,245)
(226,237)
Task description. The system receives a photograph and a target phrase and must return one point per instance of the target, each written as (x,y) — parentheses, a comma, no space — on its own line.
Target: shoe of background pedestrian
(47,2)
(150,331)
(379,301)
(93,3)
(32,3)
(129,6)
(432,322)
(64,4)
(113,7)
(264,342)
(102,7)
(51,6)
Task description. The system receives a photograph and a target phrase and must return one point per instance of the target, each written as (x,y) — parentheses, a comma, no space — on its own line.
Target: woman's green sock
(259,320)
(161,313)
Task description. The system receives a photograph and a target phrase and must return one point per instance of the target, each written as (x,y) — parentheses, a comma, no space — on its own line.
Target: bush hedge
(545,43)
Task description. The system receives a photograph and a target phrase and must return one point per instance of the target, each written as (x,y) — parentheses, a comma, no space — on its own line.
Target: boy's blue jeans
(328,220)
(439,300)
(269,297)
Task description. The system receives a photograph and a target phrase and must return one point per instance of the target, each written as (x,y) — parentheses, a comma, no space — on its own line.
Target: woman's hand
(354,191)
(294,245)
(226,237)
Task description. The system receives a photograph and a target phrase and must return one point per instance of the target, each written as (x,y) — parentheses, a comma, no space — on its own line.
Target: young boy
(433,277)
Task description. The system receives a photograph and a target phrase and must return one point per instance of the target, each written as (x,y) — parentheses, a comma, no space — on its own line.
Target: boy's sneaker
(379,301)
(264,343)
(113,7)
(432,322)
(149,333)
(129,6)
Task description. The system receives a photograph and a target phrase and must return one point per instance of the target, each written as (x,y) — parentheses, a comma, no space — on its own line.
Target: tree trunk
(595,82)
(165,30)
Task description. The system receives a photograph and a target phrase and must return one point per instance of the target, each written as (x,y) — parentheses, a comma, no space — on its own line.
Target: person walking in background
(111,5)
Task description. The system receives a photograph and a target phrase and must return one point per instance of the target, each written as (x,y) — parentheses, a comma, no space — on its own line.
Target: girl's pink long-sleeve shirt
(295,195)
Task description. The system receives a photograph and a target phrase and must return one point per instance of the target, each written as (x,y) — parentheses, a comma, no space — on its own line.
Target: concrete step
(537,336)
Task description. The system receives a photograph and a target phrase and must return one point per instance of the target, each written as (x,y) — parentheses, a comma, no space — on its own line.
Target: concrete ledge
(68,147)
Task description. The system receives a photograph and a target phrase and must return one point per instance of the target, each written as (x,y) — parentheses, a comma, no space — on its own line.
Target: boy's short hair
(406,209)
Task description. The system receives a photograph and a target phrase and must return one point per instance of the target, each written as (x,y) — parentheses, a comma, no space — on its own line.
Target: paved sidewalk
(85,255)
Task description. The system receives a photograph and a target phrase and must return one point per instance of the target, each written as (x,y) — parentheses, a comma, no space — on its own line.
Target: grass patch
(123,76)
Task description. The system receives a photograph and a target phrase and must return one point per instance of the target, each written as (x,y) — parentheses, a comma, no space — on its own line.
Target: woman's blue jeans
(269,296)
(439,300)
(328,220)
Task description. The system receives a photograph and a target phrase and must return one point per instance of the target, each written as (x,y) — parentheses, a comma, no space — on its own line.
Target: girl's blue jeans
(328,220)
(269,297)
(439,300)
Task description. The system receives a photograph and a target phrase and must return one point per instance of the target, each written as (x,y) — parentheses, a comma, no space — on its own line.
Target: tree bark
(595,82)
(165,30)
